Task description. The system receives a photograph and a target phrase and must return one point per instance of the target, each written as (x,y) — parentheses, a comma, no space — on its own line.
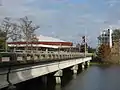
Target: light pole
(85,46)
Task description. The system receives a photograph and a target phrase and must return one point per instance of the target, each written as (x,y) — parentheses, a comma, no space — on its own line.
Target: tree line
(81,48)
(23,28)
(104,50)
(116,34)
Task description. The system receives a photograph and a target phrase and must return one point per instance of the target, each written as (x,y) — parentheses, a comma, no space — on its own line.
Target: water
(93,78)
(96,78)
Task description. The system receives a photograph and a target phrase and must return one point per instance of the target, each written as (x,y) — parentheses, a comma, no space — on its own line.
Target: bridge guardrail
(39,56)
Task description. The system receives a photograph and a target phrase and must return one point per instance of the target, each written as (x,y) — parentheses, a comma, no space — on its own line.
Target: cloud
(65,19)
(65,23)
(112,2)
(18,9)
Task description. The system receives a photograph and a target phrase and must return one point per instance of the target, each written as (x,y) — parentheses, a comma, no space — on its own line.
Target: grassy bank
(95,63)
(102,63)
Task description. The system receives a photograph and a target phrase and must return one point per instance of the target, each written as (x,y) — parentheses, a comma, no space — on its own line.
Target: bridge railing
(40,56)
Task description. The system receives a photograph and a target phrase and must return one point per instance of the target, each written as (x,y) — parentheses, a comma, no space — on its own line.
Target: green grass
(95,63)
(101,64)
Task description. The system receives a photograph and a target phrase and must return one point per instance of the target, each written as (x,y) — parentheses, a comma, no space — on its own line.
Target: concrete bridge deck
(18,72)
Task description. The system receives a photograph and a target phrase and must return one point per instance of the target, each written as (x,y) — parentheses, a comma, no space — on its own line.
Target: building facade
(105,38)
(43,43)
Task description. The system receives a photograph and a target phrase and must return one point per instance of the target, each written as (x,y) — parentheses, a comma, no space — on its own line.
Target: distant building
(42,43)
(105,38)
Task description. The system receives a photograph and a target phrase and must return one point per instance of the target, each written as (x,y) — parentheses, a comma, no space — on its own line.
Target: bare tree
(34,40)
(16,34)
(28,30)
(5,27)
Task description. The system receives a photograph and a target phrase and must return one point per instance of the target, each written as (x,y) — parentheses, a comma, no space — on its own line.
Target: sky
(66,19)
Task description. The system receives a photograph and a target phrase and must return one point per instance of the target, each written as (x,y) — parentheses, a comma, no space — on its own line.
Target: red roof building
(43,42)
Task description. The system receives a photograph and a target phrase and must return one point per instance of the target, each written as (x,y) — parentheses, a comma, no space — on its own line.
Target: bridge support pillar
(75,69)
(58,80)
(88,63)
(83,66)
(58,76)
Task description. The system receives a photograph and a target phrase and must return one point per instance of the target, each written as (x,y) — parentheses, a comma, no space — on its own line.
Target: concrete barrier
(30,72)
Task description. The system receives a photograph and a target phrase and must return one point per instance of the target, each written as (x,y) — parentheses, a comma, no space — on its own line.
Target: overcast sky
(66,19)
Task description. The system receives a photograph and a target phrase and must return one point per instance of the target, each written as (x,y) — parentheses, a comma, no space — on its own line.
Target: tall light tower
(85,44)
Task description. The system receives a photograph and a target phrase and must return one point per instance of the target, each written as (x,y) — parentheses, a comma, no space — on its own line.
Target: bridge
(23,66)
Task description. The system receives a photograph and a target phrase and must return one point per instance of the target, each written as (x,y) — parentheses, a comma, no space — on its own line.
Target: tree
(116,34)
(82,47)
(91,50)
(78,47)
(104,51)
(2,40)
(5,28)
(16,32)
(34,40)
(28,30)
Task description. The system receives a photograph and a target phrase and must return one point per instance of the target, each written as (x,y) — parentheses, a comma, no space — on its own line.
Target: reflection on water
(58,87)
(74,76)
(93,78)
(97,78)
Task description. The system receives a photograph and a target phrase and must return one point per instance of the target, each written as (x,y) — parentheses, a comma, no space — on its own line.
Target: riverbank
(101,64)
(95,63)
(99,61)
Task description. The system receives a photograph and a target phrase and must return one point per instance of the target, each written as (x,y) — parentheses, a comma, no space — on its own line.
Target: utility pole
(84,42)
(85,46)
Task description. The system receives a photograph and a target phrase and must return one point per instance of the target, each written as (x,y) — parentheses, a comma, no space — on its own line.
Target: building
(105,38)
(42,43)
